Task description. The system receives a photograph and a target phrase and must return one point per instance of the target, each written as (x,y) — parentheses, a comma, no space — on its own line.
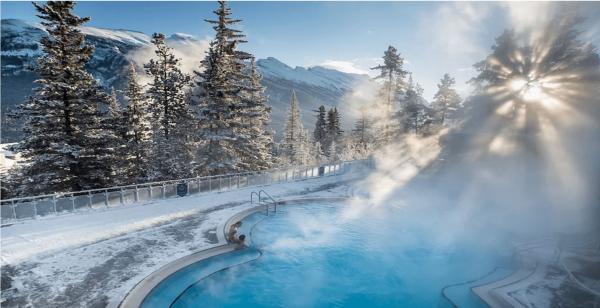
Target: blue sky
(434,37)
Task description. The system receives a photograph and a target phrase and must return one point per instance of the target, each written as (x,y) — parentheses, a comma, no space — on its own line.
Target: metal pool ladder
(268,199)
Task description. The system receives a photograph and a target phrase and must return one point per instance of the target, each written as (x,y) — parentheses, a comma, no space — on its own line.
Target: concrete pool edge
(136,296)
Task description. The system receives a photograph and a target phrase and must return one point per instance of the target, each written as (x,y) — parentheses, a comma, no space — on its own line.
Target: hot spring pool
(310,256)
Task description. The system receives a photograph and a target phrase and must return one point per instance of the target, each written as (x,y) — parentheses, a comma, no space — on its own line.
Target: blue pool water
(311,256)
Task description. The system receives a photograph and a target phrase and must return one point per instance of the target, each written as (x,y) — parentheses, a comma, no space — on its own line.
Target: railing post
(150,191)
(163,190)
(73,202)
(12,204)
(54,203)
(210,184)
(106,198)
(238,181)
(34,209)
(90,198)
(121,197)
(137,196)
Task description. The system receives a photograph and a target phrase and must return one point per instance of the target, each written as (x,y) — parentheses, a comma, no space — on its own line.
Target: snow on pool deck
(94,258)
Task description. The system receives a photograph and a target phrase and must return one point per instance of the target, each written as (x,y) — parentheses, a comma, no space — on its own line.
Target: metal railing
(16,209)
(260,199)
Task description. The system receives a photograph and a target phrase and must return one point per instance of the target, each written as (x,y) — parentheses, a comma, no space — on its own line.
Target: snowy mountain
(314,86)
(20,47)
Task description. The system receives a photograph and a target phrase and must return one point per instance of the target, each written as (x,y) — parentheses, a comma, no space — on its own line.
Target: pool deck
(542,279)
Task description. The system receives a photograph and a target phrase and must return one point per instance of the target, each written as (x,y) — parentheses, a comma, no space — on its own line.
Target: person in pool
(241,240)
(233,230)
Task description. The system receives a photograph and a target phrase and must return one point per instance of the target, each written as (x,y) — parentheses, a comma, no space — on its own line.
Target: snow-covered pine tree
(320,132)
(170,114)
(66,146)
(114,116)
(446,100)
(219,86)
(115,123)
(415,115)
(293,146)
(362,136)
(334,131)
(333,152)
(392,73)
(318,153)
(137,131)
(254,143)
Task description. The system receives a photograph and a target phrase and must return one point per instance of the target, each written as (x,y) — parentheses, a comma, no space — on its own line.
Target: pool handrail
(252,196)
(262,198)
(273,201)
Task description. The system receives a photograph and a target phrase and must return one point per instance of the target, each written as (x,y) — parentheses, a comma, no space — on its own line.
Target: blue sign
(182,189)
(321,170)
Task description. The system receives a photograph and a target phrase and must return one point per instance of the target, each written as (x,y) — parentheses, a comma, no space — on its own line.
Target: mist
(523,161)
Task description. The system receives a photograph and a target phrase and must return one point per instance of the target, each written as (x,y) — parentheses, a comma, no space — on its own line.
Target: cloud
(452,37)
(344,66)
(354,66)
(455,29)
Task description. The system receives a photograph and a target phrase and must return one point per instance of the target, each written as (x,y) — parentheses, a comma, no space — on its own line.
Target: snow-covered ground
(95,258)
(7,158)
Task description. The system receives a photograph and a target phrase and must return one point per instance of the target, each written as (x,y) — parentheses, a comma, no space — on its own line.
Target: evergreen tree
(232,105)
(217,100)
(254,142)
(318,154)
(320,132)
(114,122)
(333,152)
(334,131)
(446,100)
(65,144)
(170,114)
(361,134)
(415,115)
(392,73)
(137,131)
(293,148)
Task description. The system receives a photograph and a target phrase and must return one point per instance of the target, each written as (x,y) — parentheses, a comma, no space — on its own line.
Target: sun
(528,90)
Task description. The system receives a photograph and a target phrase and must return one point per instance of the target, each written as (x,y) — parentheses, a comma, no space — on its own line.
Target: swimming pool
(311,256)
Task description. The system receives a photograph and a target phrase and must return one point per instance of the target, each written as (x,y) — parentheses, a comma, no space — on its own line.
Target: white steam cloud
(191,51)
